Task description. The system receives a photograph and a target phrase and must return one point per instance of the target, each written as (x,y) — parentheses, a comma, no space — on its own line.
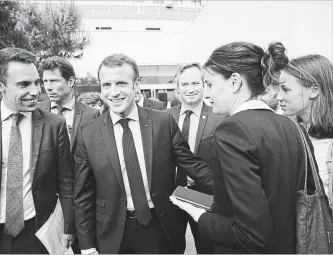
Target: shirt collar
(70,105)
(196,110)
(253,105)
(6,113)
(141,101)
(134,115)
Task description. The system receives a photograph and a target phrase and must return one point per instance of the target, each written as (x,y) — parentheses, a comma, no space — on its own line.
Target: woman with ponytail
(261,164)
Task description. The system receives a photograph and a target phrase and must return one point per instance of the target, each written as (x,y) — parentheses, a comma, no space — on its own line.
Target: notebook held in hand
(193,197)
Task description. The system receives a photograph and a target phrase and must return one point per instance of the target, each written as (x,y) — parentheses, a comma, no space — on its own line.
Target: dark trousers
(149,240)
(26,241)
(202,245)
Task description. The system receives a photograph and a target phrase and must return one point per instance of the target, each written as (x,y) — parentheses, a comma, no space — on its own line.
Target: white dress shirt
(25,129)
(134,125)
(68,113)
(194,123)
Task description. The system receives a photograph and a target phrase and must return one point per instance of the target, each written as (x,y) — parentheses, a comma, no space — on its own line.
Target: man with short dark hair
(125,173)
(197,122)
(36,167)
(59,79)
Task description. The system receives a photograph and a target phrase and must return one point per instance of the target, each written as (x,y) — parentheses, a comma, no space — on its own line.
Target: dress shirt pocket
(100,205)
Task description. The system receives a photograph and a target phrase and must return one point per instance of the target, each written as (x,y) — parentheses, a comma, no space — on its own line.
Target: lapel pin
(146,125)
(204,117)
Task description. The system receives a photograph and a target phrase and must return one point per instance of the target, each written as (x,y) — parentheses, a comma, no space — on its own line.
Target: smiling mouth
(118,100)
(29,100)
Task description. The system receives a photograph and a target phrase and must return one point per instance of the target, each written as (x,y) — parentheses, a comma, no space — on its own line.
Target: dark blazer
(256,180)
(153,104)
(204,143)
(100,199)
(82,115)
(50,168)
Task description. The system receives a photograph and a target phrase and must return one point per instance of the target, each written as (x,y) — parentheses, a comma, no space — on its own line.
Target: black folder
(193,197)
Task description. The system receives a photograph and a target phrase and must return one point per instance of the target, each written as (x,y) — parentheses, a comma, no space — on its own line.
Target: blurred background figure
(306,94)
(92,99)
(147,102)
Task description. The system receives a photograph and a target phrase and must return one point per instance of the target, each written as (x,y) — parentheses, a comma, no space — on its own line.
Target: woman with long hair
(306,95)
(261,161)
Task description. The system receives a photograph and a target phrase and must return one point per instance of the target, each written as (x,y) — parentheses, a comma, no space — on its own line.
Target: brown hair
(316,70)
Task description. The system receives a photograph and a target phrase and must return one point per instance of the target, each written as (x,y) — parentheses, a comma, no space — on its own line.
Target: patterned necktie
(181,178)
(135,180)
(14,222)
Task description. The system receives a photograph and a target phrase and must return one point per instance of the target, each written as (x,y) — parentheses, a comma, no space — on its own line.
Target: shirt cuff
(88,251)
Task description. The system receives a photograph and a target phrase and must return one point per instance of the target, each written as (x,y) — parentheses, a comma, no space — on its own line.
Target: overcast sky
(304,27)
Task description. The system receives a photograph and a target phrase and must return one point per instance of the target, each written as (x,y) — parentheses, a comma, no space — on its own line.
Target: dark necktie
(14,222)
(181,178)
(135,180)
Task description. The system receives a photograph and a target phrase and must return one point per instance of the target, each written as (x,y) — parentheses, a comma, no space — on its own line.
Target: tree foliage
(46,29)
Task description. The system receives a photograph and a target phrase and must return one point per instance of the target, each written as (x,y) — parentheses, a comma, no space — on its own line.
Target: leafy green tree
(47,29)
(12,33)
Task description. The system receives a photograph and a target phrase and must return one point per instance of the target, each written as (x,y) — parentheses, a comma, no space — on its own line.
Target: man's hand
(193,211)
(68,240)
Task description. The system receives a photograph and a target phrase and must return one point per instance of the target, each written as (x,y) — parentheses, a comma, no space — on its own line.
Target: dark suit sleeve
(84,196)
(65,176)
(193,166)
(251,221)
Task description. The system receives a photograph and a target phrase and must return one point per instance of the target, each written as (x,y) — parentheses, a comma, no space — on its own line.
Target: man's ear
(71,81)
(2,87)
(236,80)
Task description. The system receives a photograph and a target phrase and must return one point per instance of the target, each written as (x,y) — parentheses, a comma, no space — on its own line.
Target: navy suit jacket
(99,194)
(204,142)
(82,115)
(153,104)
(51,168)
(259,171)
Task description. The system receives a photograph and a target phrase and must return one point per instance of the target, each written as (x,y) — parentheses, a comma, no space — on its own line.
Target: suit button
(122,222)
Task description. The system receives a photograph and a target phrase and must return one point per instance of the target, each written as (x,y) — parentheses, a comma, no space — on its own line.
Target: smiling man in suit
(197,122)
(59,78)
(35,161)
(125,171)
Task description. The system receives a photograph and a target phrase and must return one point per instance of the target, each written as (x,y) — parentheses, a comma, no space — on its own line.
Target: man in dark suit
(125,171)
(35,161)
(59,78)
(197,122)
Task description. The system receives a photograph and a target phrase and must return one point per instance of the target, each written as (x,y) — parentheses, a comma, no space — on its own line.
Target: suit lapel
(201,127)
(76,123)
(176,113)
(111,148)
(147,141)
(37,131)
